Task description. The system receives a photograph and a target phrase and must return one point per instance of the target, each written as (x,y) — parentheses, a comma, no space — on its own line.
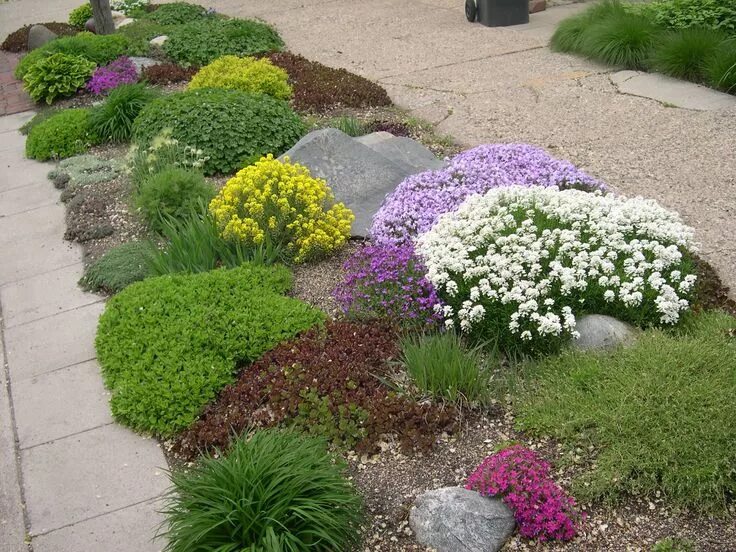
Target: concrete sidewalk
(70,478)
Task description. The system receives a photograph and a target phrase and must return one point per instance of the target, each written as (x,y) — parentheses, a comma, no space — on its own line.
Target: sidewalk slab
(13,122)
(60,403)
(89,474)
(126,530)
(23,172)
(26,261)
(12,524)
(35,227)
(52,343)
(44,295)
(26,198)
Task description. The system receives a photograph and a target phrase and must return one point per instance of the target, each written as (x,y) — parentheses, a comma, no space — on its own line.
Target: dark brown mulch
(394,127)
(318,88)
(329,381)
(711,292)
(17,41)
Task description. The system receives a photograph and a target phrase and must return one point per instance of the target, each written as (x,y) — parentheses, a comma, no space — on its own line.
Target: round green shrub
(79,16)
(274,491)
(64,134)
(172,193)
(118,268)
(204,40)
(168,344)
(56,76)
(684,53)
(177,13)
(113,120)
(246,74)
(139,33)
(232,128)
(100,49)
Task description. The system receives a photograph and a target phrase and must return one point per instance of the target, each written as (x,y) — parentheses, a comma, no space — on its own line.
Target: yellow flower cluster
(246,74)
(279,204)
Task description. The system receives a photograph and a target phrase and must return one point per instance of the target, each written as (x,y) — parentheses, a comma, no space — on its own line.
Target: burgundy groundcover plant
(388,281)
(417,203)
(542,510)
(112,75)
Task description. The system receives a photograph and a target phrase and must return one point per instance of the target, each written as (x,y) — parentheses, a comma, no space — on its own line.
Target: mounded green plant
(85,170)
(442,367)
(246,74)
(139,33)
(721,68)
(113,120)
(99,49)
(168,344)
(37,119)
(172,193)
(674,544)
(623,39)
(685,53)
(62,135)
(118,268)
(177,13)
(232,128)
(659,413)
(79,16)
(684,14)
(56,76)
(274,491)
(204,40)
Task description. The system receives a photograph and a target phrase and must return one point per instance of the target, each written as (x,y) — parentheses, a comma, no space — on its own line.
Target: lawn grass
(660,414)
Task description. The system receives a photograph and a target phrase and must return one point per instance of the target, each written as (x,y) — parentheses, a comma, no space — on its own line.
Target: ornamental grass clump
(280,206)
(517,265)
(418,202)
(274,491)
(387,281)
(247,74)
(522,479)
(112,75)
(113,120)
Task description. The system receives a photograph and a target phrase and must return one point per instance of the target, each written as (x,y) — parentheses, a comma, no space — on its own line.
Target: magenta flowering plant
(388,281)
(112,75)
(419,201)
(521,478)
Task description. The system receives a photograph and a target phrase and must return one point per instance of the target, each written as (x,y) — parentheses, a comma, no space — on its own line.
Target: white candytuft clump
(530,257)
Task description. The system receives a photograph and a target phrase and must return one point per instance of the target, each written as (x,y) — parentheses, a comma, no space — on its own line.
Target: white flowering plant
(518,264)
(128,7)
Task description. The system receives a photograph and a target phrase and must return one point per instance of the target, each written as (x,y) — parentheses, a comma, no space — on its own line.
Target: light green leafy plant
(64,134)
(56,76)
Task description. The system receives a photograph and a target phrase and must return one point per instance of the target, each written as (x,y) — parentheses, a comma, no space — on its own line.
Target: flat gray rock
(598,332)
(358,176)
(38,35)
(401,149)
(141,62)
(374,138)
(453,519)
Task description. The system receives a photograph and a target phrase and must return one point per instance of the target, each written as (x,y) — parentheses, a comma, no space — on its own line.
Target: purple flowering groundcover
(112,75)
(418,202)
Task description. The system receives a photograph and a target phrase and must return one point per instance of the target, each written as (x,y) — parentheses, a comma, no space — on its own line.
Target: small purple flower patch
(417,203)
(112,75)
(541,508)
(388,281)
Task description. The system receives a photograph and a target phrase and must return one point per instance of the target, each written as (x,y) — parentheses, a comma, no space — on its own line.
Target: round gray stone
(453,519)
(598,331)
(38,35)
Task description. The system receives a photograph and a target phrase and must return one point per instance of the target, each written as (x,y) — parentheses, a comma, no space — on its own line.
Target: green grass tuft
(685,53)
(276,491)
(113,120)
(660,413)
(569,34)
(621,39)
(721,68)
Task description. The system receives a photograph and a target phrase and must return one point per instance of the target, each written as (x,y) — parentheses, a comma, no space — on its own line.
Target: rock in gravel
(142,62)
(403,150)
(159,40)
(358,176)
(598,331)
(38,35)
(453,519)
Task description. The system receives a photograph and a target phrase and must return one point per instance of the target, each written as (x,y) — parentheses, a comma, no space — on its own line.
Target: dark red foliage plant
(167,73)
(328,381)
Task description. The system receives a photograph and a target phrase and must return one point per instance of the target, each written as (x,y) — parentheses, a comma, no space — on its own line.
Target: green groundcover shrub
(204,40)
(99,49)
(64,134)
(139,33)
(177,13)
(232,128)
(80,15)
(684,14)
(274,491)
(167,345)
(660,414)
(56,76)
(118,268)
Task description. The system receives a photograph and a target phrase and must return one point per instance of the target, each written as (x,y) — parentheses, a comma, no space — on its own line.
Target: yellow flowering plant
(279,205)
(246,74)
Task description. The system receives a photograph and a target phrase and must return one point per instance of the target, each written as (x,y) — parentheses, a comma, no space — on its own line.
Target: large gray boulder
(38,35)
(357,175)
(453,519)
(404,151)
(599,332)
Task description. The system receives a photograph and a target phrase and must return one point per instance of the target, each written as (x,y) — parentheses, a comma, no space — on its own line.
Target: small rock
(90,25)
(38,35)
(142,62)
(159,40)
(124,22)
(598,331)
(453,519)
(536,6)
(118,16)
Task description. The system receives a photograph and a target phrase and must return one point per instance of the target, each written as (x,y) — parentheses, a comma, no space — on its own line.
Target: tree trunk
(103,17)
